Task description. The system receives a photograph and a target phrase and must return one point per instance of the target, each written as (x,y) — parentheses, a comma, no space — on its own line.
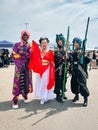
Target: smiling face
(44,44)
(25,37)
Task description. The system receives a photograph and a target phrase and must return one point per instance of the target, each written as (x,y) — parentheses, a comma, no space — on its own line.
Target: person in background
(97,59)
(94,60)
(3,57)
(1,62)
(6,57)
(23,76)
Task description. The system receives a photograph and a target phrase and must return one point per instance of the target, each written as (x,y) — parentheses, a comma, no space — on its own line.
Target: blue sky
(48,18)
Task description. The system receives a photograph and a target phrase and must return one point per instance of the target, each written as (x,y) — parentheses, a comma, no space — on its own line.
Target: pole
(65,69)
(85,40)
(26,24)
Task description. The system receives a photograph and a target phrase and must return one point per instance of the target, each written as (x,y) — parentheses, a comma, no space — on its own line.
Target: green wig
(78,40)
(60,37)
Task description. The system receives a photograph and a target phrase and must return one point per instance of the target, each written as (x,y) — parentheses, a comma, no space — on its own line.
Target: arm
(15,54)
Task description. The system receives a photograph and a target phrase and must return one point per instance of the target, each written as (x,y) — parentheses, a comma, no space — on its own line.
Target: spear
(65,69)
(67,41)
(85,40)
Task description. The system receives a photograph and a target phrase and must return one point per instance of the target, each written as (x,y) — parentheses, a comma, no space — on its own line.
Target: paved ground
(50,116)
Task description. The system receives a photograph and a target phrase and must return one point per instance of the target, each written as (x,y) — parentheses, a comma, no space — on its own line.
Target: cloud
(47,18)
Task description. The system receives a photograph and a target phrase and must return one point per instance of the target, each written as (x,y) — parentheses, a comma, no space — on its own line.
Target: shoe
(76,98)
(42,101)
(15,106)
(26,101)
(58,96)
(65,98)
(59,99)
(85,102)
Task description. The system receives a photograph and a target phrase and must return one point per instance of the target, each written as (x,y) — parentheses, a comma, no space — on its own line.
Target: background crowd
(6,60)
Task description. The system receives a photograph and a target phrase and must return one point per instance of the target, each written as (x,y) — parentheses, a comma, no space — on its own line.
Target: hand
(79,51)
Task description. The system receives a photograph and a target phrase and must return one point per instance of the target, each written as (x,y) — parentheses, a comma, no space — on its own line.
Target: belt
(45,62)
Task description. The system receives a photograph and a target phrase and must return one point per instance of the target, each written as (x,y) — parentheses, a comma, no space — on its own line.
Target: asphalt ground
(52,115)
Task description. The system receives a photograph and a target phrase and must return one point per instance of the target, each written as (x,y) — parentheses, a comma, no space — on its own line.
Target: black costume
(79,76)
(59,59)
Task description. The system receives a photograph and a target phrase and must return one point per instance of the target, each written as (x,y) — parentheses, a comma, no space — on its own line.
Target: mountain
(6,44)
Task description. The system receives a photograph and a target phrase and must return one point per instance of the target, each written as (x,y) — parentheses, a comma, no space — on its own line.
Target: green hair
(78,40)
(60,37)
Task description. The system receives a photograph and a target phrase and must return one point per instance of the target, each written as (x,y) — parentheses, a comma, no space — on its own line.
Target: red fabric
(35,63)
(51,72)
(35,59)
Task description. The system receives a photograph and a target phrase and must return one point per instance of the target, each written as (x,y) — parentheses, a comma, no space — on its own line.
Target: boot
(76,98)
(85,102)
(59,98)
(64,97)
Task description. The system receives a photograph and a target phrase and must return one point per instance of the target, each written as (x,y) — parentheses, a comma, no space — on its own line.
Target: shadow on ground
(34,107)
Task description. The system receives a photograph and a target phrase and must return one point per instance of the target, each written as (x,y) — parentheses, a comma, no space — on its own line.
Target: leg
(83,89)
(15,102)
(58,87)
(25,96)
(75,88)
(85,101)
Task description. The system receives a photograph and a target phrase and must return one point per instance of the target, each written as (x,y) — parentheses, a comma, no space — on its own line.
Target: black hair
(43,38)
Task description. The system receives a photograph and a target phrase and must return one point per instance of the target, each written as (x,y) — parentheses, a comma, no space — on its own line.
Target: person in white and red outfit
(42,62)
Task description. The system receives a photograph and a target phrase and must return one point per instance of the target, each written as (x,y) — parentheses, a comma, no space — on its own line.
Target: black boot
(85,102)
(76,98)
(59,98)
(65,98)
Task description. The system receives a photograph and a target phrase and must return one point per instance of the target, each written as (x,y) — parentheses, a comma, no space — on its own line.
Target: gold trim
(15,55)
(45,62)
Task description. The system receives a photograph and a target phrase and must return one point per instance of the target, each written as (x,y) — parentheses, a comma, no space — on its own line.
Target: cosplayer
(23,76)
(79,76)
(42,62)
(60,59)
(94,65)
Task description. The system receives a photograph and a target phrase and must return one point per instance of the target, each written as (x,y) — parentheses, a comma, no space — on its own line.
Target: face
(70,51)
(60,42)
(76,45)
(25,37)
(44,44)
